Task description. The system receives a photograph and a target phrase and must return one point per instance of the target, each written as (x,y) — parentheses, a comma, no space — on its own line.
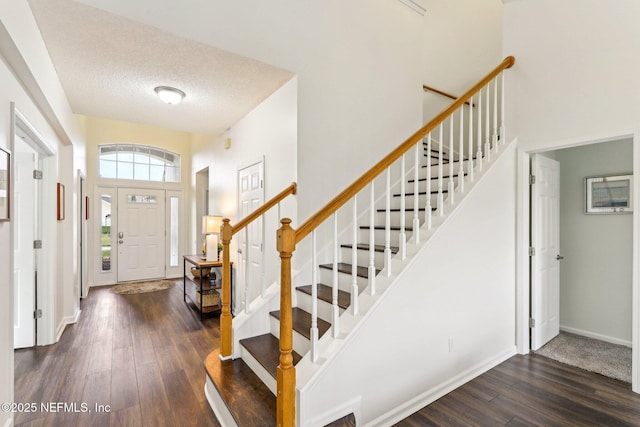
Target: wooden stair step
(250,401)
(382,227)
(302,322)
(455,175)
(345,268)
(420,193)
(444,162)
(325,293)
(266,350)
(376,248)
(405,209)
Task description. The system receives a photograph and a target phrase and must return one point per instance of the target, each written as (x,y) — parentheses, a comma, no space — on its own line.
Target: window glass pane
(141,172)
(141,155)
(125,170)
(172,174)
(156,156)
(108,169)
(105,232)
(156,173)
(125,153)
(174,231)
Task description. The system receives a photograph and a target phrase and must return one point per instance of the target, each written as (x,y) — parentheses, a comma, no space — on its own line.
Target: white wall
(25,64)
(595,275)
(358,64)
(462,41)
(269,132)
(401,359)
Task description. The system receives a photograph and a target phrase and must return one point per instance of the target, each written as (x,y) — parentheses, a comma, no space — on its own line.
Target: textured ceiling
(109,66)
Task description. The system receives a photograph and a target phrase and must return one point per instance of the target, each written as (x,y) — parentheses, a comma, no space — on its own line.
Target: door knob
(559,257)
(120,241)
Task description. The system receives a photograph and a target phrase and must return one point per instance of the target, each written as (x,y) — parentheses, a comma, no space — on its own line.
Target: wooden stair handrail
(330,208)
(292,189)
(226,234)
(443,93)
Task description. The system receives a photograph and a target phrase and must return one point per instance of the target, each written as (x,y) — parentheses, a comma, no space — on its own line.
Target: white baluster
(247,269)
(440,172)
(263,269)
(402,240)
(479,138)
(335,314)
(428,208)
(470,165)
(461,153)
(314,298)
(487,125)
(494,139)
(451,158)
(502,108)
(354,259)
(416,188)
(387,225)
(372,237)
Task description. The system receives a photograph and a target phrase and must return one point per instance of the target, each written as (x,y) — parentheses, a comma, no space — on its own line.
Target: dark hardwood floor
(532,390)
(143,355)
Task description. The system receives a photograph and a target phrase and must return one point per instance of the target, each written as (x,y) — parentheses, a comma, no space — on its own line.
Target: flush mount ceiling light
(170,95)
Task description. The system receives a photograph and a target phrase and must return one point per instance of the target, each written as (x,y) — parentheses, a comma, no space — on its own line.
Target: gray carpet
(604,358)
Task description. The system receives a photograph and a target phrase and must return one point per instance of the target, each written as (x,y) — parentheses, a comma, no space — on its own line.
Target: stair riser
(362,257)
(259,370)
(344,280)
(379,236)
(325,309)
(395,217)
(301,344)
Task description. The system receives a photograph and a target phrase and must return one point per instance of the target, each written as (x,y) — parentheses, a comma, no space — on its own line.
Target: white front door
(251,197)
(24,267)
(545,240)
(140,237)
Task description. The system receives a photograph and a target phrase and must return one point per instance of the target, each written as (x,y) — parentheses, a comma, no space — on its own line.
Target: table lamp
(211,229)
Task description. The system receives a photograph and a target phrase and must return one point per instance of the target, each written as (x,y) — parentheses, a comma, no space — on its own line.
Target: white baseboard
(218,406)
(351,407)
(430,396)
(69,320)
(596,336)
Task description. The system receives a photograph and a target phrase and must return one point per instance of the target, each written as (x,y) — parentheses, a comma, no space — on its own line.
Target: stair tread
(344,267)
(381,227)
(266,350)
(325,293)
(250,401)
(420,193)
(455,175)
(405,209)
(302,322)
(445,162)
(376,248)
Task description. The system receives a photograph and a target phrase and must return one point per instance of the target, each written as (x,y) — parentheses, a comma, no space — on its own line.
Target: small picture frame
(61,207)
(5,185)
(609,194)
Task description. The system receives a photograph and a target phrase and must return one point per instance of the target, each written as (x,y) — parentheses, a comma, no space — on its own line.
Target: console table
(205,293)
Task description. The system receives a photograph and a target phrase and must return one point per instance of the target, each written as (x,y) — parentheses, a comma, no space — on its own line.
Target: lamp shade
(211,224)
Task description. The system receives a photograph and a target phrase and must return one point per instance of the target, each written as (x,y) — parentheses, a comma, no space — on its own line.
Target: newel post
(286,373)
(226,339)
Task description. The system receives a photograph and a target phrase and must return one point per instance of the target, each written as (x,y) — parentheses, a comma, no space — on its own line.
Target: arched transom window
(139,162)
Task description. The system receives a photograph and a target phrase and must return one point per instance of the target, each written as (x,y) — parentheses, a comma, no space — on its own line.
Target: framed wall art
(5,185)
(609,194)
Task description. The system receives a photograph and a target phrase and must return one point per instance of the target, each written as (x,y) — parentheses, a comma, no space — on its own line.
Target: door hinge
(37,244)
(532,251)
(532,322)
(37,174)
(37,314)
(532,179)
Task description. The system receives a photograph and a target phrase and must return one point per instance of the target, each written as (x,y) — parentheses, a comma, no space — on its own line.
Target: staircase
(405,205)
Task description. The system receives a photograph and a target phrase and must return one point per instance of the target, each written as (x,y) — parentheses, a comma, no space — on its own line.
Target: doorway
(141,234)
(251,197)
(598,269)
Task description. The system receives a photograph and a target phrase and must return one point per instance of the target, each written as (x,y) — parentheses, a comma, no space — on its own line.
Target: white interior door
(24,268)
(140,237)
(251,197)
(545,239)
